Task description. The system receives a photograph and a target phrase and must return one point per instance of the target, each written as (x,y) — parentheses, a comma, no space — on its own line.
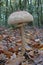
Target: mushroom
(20,18)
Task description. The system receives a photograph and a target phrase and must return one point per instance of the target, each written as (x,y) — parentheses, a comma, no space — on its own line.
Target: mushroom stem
(23,40)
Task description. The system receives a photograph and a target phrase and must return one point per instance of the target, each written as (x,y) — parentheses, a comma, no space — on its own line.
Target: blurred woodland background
(35,7)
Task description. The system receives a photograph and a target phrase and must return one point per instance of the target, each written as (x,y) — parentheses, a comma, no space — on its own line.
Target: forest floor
(11,46)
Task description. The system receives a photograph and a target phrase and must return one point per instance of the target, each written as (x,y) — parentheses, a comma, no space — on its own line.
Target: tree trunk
(41,11)
(11,7)
(38,13)
(6,14)
(20,5)
(28,2)
(0,10)
(25,4)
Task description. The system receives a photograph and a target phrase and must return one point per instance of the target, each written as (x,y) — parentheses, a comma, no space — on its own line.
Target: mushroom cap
(20,17)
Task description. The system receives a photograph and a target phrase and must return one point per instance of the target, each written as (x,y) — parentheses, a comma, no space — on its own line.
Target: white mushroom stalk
(20,17)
